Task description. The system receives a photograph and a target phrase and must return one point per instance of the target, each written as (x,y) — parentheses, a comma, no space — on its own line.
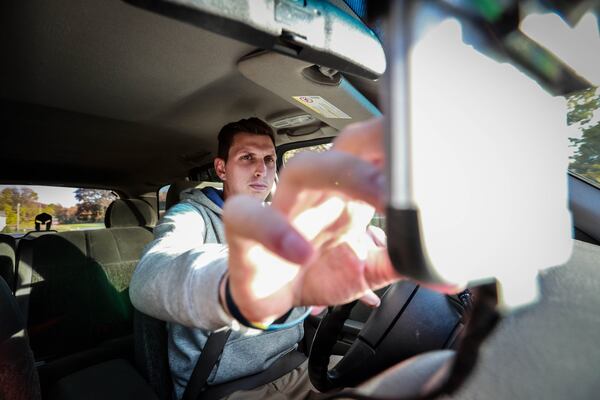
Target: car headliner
(108,95)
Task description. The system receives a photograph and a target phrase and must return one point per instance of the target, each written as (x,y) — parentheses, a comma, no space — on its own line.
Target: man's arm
(177,278)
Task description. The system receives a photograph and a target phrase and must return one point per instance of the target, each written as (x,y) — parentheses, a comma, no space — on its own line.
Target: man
(186,273)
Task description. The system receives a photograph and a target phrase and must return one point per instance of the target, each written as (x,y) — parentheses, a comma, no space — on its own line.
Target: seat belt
(205,364)
(197,389)
(279,368)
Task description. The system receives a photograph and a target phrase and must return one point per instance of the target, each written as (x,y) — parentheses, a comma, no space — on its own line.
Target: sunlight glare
(279,276)
(490,167)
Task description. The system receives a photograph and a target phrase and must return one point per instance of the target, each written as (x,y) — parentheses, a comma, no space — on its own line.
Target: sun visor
(331,99)
(314,31)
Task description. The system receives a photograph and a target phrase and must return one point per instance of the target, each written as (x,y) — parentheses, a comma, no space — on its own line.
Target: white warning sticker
(321,106)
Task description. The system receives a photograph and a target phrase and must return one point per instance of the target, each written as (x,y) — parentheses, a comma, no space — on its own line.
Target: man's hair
(251,125)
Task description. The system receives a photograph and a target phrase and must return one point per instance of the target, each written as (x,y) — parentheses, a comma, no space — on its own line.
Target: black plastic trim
(405,246)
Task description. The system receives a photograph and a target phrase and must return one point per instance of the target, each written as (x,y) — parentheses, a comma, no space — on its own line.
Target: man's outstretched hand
(312,246)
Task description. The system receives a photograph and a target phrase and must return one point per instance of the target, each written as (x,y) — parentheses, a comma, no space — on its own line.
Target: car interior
(129,96)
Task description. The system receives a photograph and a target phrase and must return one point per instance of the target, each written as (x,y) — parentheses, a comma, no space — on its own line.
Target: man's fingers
(378,235)
(380,271)
(370,299)
(247,218)
(316,310)
(363,139)
(330,171)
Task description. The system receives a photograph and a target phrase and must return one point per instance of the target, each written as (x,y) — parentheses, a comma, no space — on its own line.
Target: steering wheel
(410,320)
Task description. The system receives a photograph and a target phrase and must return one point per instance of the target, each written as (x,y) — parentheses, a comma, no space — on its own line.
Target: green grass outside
(60,228)
(78,227)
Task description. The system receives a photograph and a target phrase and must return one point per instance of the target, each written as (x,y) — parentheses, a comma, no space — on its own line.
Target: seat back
(7,259)
(176,188)
(74,285)
(18,376)
(126,213)
(151,355)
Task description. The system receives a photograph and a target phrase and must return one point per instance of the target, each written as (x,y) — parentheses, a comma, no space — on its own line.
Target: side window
(318,148)
(162,200)
(378,220)
(69,208)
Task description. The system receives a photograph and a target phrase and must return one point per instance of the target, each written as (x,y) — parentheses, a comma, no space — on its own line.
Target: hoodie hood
(199,196)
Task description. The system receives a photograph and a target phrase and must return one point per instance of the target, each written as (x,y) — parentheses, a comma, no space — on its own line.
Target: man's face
(250,168)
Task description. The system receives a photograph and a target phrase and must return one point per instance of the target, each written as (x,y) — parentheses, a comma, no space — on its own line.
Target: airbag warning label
(321,106)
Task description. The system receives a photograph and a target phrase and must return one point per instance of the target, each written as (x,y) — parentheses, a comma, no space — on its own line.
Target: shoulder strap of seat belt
(279,368)
(205,364)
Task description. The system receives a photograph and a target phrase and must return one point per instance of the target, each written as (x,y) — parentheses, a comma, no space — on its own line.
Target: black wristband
(278,324)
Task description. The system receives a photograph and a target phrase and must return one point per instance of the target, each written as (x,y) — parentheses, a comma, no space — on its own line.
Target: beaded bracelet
(277,325)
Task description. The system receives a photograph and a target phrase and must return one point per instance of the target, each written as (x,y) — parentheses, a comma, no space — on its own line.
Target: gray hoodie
(177,280)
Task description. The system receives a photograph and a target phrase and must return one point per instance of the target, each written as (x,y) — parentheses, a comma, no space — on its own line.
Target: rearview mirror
(477,161)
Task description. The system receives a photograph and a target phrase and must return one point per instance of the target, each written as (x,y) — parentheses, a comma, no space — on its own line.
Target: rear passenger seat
(73,286)
(114,379)
(7,259)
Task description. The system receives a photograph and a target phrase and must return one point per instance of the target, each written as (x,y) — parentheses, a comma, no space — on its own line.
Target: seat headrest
(130,212)
(10,314)
(175,189)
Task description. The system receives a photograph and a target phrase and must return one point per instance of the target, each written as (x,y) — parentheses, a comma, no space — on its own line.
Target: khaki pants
(293,386)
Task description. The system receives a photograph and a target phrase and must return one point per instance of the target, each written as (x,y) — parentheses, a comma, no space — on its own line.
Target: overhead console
(299,38)
(315,31)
